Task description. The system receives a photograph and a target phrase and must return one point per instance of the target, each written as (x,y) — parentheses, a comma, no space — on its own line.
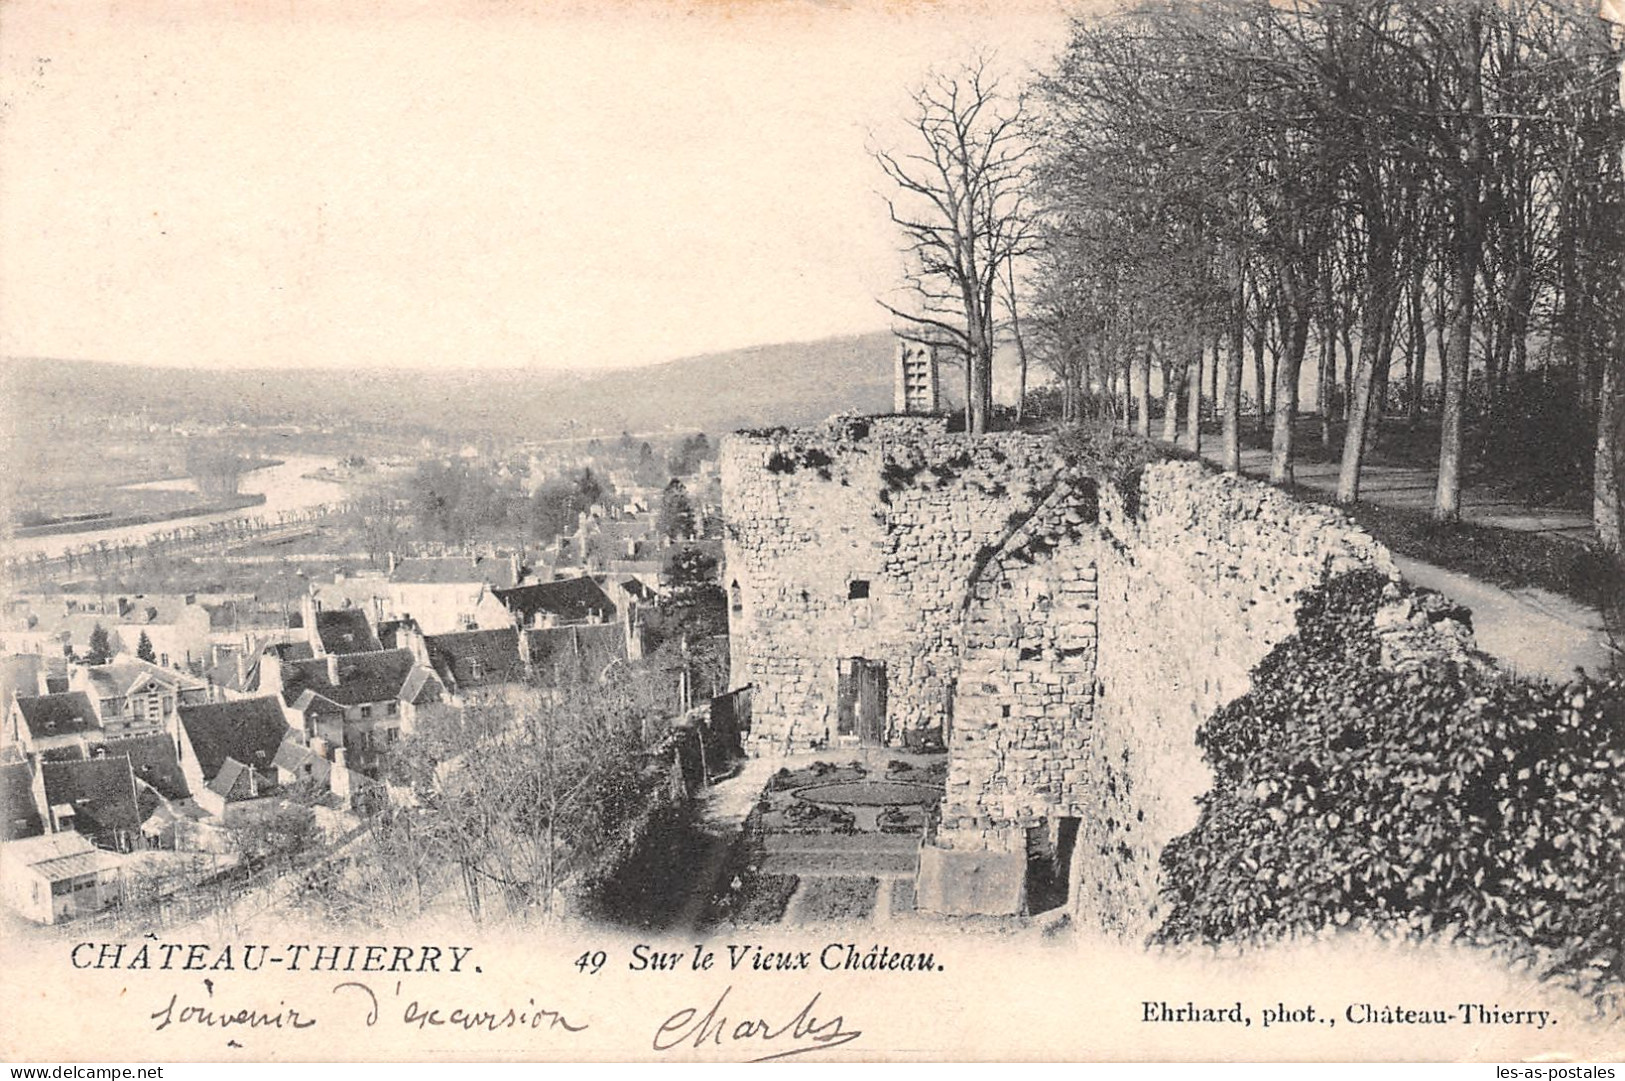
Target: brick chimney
(307,616)
(332,669)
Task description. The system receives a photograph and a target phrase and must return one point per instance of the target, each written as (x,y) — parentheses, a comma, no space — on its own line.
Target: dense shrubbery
(1541,446)
(1448,800)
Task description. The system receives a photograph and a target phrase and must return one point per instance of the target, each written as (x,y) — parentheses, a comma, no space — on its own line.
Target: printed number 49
(590,963)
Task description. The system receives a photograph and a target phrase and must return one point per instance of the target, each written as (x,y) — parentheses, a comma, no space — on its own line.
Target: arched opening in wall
(736,600)
(1049,863)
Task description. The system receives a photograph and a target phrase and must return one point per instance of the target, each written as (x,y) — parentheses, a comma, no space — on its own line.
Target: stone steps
(837,842)
(842,864)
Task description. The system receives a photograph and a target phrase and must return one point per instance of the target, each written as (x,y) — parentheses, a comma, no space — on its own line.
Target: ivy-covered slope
(1445,798)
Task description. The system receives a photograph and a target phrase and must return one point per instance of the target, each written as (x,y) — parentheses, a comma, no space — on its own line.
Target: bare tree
(959,205)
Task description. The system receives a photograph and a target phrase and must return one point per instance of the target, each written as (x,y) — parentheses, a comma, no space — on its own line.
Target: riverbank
(104,521)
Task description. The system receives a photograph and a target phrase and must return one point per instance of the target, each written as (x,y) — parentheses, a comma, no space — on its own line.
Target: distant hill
(790,383)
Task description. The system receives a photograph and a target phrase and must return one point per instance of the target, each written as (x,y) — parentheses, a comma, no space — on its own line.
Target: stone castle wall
(894,502)
(1069,635)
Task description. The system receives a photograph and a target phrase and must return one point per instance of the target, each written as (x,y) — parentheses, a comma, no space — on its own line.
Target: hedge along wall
(1380,774)
(894,502)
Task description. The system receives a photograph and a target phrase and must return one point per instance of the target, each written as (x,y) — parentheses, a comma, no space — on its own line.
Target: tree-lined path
(1532,630)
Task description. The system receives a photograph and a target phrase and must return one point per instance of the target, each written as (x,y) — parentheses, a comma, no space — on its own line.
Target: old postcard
(812,531)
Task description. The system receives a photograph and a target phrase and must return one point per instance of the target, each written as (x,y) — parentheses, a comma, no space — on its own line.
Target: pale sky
(455,184)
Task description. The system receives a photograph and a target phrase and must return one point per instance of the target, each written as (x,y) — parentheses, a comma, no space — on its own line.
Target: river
(285,487)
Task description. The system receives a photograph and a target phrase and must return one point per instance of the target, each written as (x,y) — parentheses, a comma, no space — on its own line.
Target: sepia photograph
(812,530)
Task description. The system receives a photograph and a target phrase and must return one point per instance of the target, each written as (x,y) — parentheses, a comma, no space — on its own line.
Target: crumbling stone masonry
(859,540)
(1067,633)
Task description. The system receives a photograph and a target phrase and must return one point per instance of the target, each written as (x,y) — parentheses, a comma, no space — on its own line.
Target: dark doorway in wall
(1049,863)
(860,709)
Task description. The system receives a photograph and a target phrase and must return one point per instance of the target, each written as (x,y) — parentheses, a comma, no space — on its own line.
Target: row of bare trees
(1397,195)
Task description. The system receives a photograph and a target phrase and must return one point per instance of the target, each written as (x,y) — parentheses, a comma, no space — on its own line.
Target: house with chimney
(553,604)
(133,697)
(445,594)
(95,797)
(227,752)
(64,725)
(355,705)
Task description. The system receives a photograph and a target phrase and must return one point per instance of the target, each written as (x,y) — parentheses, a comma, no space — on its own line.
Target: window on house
(736,600)
(366,712)
(475,669)
(392,708)
(858,590)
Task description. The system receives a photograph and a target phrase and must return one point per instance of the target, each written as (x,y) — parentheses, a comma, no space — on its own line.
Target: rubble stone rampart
(1068,632)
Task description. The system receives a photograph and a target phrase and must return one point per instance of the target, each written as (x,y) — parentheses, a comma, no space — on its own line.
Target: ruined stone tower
(917,389)
(1065,633)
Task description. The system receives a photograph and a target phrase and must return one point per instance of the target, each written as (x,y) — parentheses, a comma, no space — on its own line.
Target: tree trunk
(1021,344)
(1142,392)
(1416,368)
(1608,483)
(1288,368)
(1171,387)
(1354,441)
(1447,500)
(1259,402)
(1232,395)
(981,389)
(1346,332)
(1326,366)
(1193,398)
(1125,374)
(1213,372)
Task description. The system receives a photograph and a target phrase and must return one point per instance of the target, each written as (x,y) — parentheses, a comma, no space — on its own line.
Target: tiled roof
(291,651)
(235,781)
(153,760)
(21,816)
(391,632)
(572,600)
(249,730)
(75,864)
(421,686)
(302,762)
(363,677)
(571,652)
(225,674)
(346,630)
(59,714)
(118,677)
(475,658)
(100,790)
(448,570)
(20,674)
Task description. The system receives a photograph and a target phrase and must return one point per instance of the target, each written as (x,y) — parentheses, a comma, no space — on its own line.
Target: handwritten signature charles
(802,1034)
